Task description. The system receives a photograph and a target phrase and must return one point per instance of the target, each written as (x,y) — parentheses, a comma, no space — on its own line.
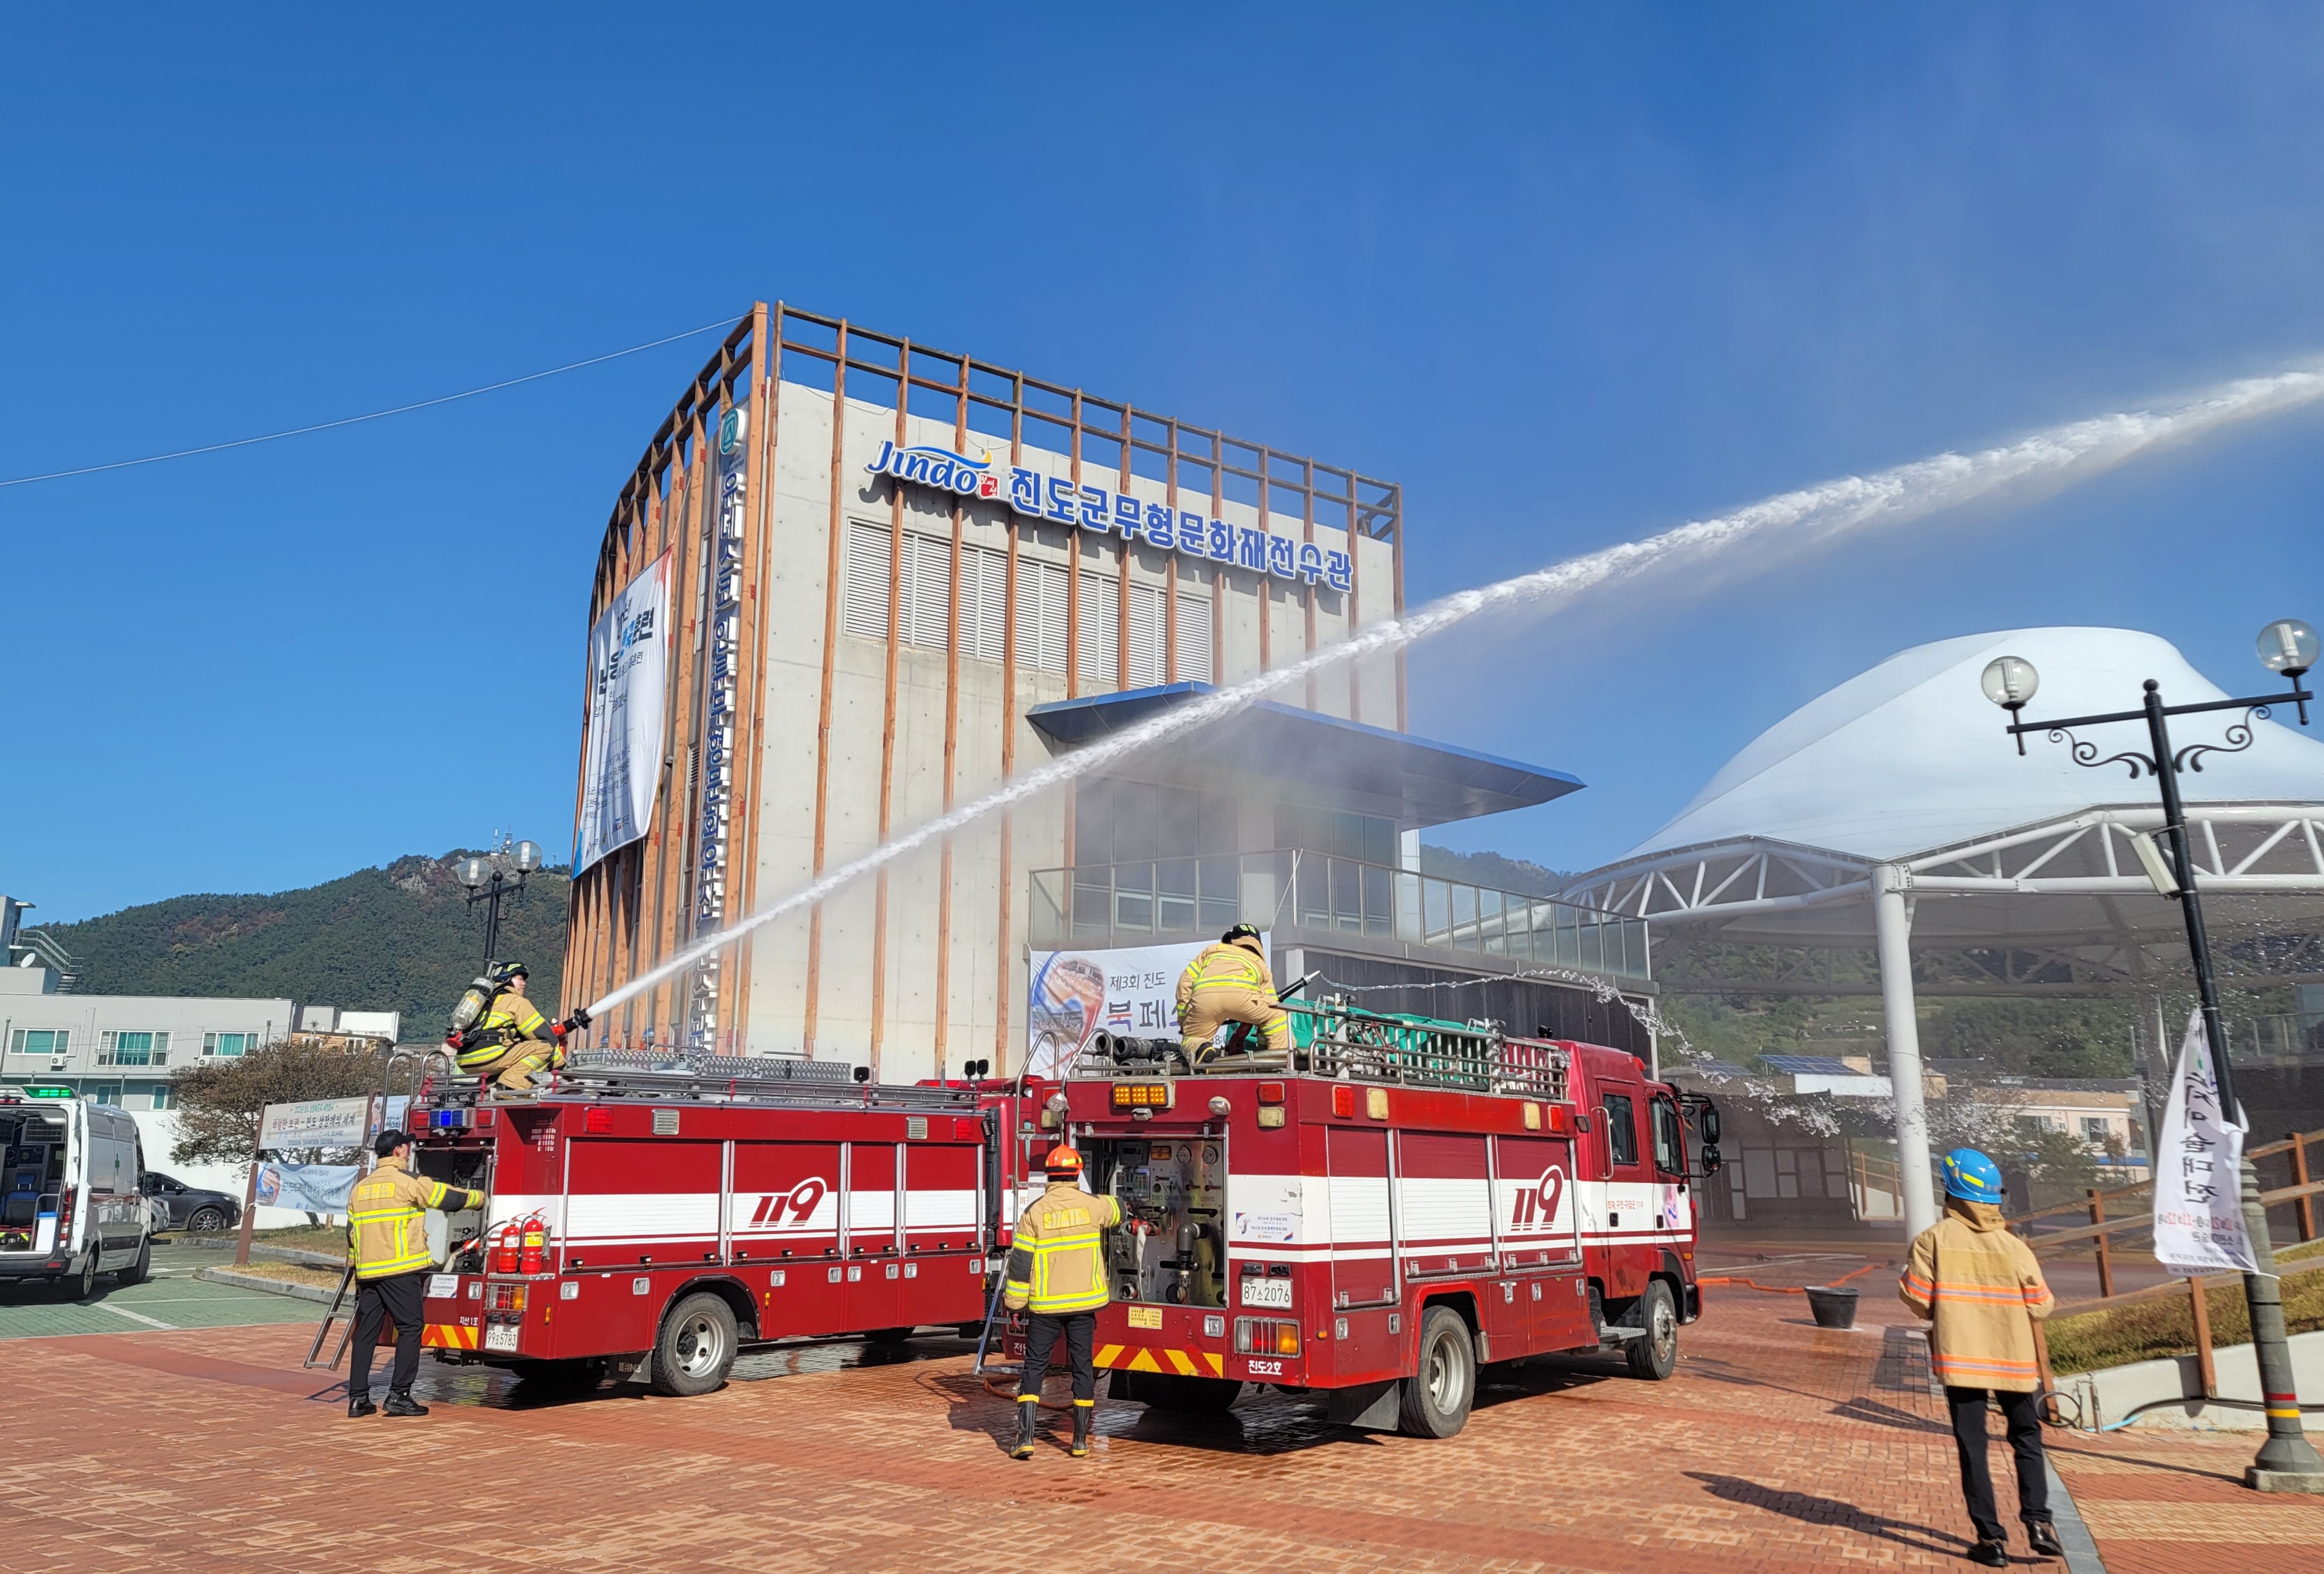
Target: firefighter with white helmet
(1231,982)
(504,1036)
(1056,1275)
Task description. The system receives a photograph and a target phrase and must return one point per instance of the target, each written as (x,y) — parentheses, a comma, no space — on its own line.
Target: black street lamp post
(2286,1461)
(487,878)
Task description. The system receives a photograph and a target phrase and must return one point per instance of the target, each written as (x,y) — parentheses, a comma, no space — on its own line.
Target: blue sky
(1571,275)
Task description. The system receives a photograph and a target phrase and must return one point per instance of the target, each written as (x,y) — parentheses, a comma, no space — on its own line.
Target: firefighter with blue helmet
(1982,1292)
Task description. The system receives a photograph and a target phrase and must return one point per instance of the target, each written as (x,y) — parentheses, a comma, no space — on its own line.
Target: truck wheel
(569,1376)
(696,1346)
(1437,1394)
(135,1273)
(1655,1357)
(1193,1395)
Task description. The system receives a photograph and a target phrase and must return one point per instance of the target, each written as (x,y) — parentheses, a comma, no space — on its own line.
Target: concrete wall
(2107,1396)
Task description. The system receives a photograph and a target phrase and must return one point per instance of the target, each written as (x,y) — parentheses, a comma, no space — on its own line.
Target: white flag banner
(621,766)
(2199,1217)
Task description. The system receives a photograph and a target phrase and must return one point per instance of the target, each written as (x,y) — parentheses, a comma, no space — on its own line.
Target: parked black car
(190,1207)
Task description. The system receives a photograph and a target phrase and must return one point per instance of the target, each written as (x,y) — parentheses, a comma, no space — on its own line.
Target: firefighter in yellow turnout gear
(511,1041)
(1230,982)
(387,1242)
(1056,1272)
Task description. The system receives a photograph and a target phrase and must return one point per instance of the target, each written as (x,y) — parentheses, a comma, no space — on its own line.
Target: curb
(2073,1535)
(270,1286)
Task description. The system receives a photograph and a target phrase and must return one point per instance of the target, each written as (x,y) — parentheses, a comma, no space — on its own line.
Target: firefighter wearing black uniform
(1056,1273)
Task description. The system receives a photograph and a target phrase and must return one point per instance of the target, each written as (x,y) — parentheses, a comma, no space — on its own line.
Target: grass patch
(308,1274)
(307,1238)
(2148,1330)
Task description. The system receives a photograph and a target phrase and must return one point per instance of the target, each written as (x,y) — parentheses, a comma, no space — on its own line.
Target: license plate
(1274,1293)
(443,1286)
(501,1336)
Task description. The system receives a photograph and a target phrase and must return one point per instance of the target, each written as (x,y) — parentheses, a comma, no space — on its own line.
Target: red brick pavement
(1778,1447)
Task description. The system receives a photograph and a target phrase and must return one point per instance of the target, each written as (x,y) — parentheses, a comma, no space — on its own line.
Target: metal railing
(1163,899)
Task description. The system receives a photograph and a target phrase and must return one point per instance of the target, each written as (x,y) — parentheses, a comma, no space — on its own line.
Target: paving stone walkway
(1777,1447)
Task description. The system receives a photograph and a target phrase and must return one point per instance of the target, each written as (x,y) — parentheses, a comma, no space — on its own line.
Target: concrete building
(121,1049)
(854,582)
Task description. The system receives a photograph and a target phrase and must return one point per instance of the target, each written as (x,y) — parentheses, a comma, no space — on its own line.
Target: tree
(219,1101)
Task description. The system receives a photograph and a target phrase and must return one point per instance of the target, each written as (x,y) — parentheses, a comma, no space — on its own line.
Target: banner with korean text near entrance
(621,763)
(1131,990)
(2198,1215)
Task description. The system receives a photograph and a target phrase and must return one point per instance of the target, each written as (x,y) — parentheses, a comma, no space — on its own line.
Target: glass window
(228,1044)
(40,1041)
(1621,1128)
(2094,1129)
(126,1049)
(1668,1152)
(160,1095)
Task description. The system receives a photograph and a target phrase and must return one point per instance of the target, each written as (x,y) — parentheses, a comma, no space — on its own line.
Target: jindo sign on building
(1054,497)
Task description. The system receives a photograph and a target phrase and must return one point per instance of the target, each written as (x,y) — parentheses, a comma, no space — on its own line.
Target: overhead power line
(374,415)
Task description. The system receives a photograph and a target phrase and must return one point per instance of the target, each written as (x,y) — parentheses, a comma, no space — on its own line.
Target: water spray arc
(2062,455)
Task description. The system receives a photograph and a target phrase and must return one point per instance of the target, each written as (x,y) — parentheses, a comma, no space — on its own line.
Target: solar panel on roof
(1810,1065)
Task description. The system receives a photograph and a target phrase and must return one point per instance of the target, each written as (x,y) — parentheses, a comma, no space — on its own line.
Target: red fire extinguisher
(535,1244)
(505,1248)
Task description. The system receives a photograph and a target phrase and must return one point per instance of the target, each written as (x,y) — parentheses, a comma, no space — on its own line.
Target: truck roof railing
(1335,1040)
(646,1077)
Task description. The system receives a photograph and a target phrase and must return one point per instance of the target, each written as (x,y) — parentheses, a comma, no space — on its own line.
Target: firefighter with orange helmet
(1056,1275)
(1230,982)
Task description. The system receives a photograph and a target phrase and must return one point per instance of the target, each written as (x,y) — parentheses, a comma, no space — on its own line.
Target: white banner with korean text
(2199,1217)
(621,766)
(1131,990)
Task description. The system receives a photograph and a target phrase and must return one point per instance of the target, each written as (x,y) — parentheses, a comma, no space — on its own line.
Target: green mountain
(401,938)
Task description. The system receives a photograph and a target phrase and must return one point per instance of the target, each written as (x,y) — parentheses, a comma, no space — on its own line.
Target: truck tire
(1655,1356)
(696,1348)
(80,1286)
(135,1272)
(1443,1382)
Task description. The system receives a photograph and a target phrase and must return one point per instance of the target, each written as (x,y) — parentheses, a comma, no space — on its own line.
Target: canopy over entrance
(1893,812)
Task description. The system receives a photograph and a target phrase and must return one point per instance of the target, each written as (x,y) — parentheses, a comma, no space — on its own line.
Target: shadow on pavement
(1830,1511)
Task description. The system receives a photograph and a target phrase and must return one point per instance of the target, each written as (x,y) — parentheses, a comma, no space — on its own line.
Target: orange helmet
(1063,1161)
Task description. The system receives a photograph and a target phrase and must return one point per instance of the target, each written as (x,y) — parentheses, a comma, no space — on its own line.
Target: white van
(71,1206)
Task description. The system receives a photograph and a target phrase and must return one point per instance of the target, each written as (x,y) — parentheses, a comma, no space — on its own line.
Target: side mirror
(1710,1125)
(1710,1160)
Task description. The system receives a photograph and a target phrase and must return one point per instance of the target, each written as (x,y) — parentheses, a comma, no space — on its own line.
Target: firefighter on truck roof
(387,1241)
(1056,1273)
(508,1039)
(1230,982)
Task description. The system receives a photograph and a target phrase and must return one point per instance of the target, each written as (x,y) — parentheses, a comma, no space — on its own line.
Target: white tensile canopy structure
(1894,811)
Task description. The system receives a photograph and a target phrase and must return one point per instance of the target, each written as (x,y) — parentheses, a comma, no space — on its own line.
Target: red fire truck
(647,1215)
(1382,1210)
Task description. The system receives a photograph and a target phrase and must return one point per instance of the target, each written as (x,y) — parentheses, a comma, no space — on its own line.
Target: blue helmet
(1971,1176)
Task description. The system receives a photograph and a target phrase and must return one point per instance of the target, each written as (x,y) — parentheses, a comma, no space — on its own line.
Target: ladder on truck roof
(1330,1038)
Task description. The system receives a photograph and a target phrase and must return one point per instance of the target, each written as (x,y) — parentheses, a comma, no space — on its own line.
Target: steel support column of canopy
(1891,924)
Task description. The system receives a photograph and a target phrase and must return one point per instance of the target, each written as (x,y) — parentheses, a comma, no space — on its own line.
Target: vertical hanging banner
(2198,1216)
(716,812)
(629,658)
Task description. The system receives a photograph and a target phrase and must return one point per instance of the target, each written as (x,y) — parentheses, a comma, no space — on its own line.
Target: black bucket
(1833,1307)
